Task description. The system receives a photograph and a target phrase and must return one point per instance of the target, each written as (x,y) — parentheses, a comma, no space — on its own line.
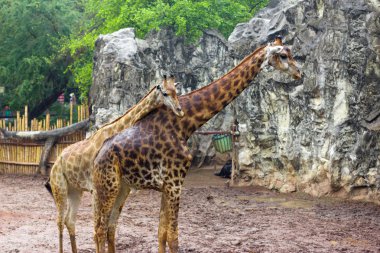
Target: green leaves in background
(189,18)
(47,46)
(31,65)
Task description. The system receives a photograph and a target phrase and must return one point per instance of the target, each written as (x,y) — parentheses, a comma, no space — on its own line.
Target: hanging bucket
(222,142)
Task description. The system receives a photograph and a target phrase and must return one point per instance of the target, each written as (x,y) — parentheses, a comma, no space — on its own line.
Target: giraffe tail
(48,186)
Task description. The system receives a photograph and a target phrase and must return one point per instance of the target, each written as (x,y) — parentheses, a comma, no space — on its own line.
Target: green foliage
(31,65)
(62,112)
(47,46)
(188,18)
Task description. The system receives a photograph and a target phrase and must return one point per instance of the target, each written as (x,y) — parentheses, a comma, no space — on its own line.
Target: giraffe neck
(202,104)
(134,114)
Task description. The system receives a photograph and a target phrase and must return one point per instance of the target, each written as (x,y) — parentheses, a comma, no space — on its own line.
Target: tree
(189,18)
(32,65)
(47,46)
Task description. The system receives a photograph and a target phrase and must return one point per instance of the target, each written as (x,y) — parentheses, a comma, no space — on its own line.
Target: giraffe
(70,174)
(153,154)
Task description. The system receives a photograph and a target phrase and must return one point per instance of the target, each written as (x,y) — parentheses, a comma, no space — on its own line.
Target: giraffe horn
(278,41)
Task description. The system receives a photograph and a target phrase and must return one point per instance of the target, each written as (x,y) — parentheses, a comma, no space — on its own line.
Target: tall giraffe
(153,154)
(70,175)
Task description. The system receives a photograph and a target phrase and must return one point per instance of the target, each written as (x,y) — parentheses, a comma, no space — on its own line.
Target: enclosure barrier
(21,123)
(23,156)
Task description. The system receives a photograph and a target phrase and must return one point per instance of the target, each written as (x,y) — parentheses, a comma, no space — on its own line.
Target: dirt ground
(213,218)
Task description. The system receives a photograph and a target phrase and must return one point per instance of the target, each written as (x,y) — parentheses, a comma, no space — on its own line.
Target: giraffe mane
(231,70)
(128,111)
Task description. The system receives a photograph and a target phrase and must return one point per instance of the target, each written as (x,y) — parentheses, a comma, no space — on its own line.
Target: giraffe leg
(168,228)
(105,196)
(74,197)
(59,189)
(96,212)
(172,234)
(60,227)
(102,228)
(115,213)
(162,229)
(101,222)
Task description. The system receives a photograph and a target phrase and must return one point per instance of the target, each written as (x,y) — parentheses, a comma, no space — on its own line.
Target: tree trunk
(45,155)
(58,81)
(43,135)
(49,137)
(44,104)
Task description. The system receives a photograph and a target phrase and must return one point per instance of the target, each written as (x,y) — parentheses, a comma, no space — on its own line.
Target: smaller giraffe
(70,175)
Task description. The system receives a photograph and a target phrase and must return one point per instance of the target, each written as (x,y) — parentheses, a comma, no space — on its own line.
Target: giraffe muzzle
(297,75)
(180,113)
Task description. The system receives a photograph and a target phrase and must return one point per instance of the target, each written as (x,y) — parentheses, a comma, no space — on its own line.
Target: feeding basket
(222,142)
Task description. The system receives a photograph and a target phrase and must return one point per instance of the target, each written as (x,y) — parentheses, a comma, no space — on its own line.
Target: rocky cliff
(318,135)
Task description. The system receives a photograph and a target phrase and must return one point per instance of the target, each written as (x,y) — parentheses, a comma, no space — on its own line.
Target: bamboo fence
(23,156)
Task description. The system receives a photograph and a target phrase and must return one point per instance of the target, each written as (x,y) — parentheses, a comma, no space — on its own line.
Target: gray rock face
(125,67)
(318,135)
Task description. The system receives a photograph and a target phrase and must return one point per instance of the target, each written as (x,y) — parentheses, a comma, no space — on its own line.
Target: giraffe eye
(164,94)
(283,56)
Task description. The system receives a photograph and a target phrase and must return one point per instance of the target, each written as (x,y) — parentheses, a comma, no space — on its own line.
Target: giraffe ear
(275,50)
(278,41)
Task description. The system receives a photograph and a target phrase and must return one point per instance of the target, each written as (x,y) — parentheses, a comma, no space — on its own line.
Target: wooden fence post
(47,123)
(21,150)
(45,155)
(18,122)
(26,118)
(71,113)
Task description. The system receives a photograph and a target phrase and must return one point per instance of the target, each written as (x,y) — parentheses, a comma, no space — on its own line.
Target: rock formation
(319,135)
(125,67)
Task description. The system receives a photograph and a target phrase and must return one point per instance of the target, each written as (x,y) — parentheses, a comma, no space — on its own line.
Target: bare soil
(213,218)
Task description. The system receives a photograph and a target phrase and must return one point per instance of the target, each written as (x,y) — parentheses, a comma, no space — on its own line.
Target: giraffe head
(280,57)
(168,94)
